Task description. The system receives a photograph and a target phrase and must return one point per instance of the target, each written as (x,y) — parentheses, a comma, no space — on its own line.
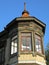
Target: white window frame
(14,44)
(38,43)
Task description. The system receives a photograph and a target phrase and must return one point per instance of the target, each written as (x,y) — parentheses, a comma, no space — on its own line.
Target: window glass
(26,41)
(38,43)
(14,45)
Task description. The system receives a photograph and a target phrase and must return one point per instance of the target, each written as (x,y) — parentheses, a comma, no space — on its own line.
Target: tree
(47,54)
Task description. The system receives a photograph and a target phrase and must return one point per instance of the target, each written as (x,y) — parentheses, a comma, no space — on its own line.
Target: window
(14,45)
(25,41)
(38,43)
(2,55)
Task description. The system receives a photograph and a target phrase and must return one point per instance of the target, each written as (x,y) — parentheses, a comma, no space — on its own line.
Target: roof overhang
(34,19)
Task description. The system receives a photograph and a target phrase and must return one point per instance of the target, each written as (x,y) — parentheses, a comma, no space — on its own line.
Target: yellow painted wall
(30,57)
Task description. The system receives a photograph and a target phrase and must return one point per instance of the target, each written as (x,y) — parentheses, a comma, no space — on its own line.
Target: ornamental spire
(24,6)
(25,13)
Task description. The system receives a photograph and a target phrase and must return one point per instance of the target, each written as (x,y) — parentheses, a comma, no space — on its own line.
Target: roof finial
(25,13)
(24,6)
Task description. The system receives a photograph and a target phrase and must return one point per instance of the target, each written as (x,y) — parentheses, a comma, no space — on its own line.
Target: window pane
(23,47)
(36,46)
(15,50)
(29,43)
(11,49)
(38,43)
(14,45)
(37,50)
(26,41)
(40,46)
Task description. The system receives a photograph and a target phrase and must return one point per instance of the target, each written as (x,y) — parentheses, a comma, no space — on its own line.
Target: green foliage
(47,54)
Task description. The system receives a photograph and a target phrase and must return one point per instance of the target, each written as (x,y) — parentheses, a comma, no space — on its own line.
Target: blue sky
(9,9)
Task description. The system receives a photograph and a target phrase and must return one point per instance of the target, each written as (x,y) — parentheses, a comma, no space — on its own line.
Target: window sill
(26,52)
(12,55)
(40,54)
